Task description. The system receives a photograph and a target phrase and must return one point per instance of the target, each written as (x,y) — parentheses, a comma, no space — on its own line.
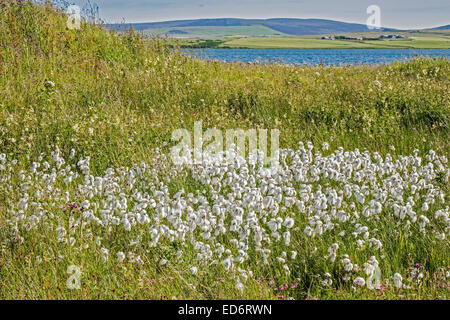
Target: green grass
(117,98)
(413,42)
(423,42)
(217,32)
(294,43)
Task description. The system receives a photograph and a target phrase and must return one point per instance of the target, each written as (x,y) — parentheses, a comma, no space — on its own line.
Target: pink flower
(170,278)
(271,282)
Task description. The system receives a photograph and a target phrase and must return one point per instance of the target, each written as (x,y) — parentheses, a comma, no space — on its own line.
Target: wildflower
(377,83)
(398,280)
(49,84)
(288,223)
(163,262)
(240,287)
(120,257)
(359,282)
(105,254)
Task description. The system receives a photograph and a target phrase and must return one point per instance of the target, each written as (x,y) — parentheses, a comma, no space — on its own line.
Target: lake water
(316,56)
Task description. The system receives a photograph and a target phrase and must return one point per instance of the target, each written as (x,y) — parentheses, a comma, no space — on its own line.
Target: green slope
(215,32)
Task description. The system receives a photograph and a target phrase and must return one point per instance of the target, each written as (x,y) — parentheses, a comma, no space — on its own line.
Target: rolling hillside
(247,27)
(447,27)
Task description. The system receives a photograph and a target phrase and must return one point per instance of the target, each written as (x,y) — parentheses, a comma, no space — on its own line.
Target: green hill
(251,27)
(215,32)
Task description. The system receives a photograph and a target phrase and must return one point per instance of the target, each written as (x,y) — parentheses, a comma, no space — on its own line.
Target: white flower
(398,280)
(120,256)
(359,282)
(377,83)
(163,262)
(348,267)
(240,287)
(49,84)
(293,255)
(288,222)
(105,254)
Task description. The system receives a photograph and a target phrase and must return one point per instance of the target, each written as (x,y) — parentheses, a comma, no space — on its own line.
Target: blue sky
(394,13)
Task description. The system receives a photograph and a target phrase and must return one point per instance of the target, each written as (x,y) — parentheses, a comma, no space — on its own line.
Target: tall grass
(116,98)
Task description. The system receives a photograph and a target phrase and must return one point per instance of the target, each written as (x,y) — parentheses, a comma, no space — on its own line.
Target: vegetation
(413,41)
(215,32)
(198,44)
(116,99)
(255,27)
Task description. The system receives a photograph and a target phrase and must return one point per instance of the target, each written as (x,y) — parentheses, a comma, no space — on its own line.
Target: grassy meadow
(414,41)
(79,102)
(215,32)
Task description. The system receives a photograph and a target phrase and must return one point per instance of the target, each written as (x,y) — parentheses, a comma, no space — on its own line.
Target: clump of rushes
(116,99)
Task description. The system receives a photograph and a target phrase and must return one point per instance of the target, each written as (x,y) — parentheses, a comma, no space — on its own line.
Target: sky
(402,14)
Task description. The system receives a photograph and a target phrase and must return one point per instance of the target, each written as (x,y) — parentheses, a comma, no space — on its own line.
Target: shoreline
(277,48)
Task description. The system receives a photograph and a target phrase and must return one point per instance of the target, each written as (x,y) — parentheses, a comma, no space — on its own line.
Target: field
(425,39)
(93,207)
(414,41)
(214,32)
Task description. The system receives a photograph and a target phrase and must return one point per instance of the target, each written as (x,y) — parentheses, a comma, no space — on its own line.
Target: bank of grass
(117,98)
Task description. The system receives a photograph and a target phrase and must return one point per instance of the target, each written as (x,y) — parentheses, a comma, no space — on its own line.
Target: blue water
(316,56)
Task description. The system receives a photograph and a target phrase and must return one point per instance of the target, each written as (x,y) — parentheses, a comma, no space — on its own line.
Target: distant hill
(285,26)
(447,27)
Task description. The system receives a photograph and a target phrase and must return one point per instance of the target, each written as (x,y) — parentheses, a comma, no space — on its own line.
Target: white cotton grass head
(240,287)
(398,280)
(120,257)
(105,254)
